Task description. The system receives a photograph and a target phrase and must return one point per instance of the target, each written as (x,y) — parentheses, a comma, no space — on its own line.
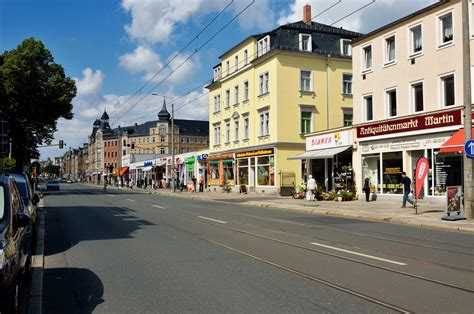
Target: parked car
(30,199)
(52,185)
(15,244)
(69,181)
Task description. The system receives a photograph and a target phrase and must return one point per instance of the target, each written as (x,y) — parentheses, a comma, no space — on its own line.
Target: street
(133,252)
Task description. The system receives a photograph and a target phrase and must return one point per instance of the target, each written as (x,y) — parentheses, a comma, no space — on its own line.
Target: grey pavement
(428,214)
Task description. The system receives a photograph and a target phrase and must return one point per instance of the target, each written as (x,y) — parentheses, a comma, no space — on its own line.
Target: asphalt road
(126,252)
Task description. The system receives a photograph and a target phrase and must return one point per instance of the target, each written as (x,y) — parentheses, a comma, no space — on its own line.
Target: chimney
(307,14)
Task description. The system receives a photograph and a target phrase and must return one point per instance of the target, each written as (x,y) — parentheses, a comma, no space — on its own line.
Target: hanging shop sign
(328,140)
(221,156)
(148,164)
(405,143)
(202,157)
(427,121)
(253,153)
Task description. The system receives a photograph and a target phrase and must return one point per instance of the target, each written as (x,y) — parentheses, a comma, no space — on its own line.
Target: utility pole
(10,149)
(468,162)
(173,174)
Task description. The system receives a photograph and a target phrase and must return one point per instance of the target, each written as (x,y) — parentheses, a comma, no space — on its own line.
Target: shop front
(256,169)
(201,165)
(221,170)
(328,158)
(386,149)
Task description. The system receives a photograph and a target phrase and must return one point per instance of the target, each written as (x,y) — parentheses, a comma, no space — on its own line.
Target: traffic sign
(469,148)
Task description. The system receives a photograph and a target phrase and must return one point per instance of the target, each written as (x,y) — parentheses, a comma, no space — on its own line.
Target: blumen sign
(328,140)
(427,121)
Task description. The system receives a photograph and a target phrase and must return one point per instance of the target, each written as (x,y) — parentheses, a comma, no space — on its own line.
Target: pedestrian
(406,181)
(145,183)
(194,184)
(153,184)
(130,184)
(311,185)
(105,185)
(366,189)
(201,184)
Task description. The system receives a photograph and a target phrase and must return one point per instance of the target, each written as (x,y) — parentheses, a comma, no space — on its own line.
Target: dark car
(52,185)
(15,243)
(30,199)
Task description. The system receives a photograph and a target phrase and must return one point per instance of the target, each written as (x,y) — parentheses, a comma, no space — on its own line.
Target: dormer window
(263,45)
(305,42)
(217,73)
(346,49)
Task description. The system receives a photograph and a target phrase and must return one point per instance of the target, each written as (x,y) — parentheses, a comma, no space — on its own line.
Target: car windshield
(53,182)
(2,203)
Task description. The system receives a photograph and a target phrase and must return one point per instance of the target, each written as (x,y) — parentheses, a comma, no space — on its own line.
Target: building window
(346,49)
(446,29)
(227,98)
(305,81)
(447,90)
(236,63)
(246,57)
(367,58)
(246,90)
(391,98)
(236,130)
(217,73)
(162,151)
(217,134)
(162,139)
(263,83)
(124,142)
(187,140)
(369,109)
(246,127)
(227,66)
(305,42)
(417,96)
(347,117)
(264,123)
(236,94)
(265,171)
(263,46)
(124,152)
(306,118)
(390,50)
(227,132)
(347,84)
(416,40)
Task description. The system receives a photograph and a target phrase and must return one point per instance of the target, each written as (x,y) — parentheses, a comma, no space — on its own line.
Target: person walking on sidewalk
(366,189)
(311,188)
(406,181)
(201,184)
(194,184)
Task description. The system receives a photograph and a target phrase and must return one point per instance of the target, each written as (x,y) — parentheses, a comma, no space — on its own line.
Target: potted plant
(339,196)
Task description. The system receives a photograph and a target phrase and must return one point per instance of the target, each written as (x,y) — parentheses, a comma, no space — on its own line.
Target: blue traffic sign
(469,148)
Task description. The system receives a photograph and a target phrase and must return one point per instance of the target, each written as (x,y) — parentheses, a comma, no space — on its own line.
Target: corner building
(269,91)
(408,101)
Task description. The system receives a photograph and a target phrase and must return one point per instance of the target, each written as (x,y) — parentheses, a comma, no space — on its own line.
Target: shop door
(329,174)
(252,175)
(318,171)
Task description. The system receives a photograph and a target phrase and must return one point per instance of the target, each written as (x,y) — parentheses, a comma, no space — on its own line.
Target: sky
(119,52)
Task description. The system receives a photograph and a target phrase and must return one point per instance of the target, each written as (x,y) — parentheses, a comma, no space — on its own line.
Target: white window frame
(236,94)
(348,83)
(411,45)
(349,50)
(386,54)
(263,83)
(246,127)
(364,101)
(227,67)
(439,28)
(387,102)
(310,44)
(246,91)
(442,90)
(412,96)
(311,120)
(227,132)
(302,89)
(236,129)
(162,151)
(236,63)
(246,57)
(365,68)
(263,46)
(347,110)
(217,134)
(264,122)
(227,98)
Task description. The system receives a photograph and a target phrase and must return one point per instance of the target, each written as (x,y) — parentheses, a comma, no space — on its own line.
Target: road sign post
(469,148)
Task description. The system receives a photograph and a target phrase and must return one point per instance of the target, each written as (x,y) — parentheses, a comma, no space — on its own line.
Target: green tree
(34,94)
(51,170)
(7,164)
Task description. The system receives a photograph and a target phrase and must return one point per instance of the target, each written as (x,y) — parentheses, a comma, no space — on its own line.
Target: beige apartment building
(408,100)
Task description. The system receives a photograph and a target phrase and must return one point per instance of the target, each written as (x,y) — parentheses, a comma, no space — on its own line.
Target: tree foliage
(34,94)
(51,170)
(7,164)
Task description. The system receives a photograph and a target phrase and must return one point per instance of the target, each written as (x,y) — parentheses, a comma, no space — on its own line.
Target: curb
(36,291)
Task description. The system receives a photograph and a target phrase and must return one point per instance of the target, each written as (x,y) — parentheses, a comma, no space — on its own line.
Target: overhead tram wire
(208,81)
(189,57)
(174,57)
(353,12)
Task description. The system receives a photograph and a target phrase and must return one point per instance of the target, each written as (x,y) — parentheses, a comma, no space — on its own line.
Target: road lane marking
(219,221)
(359,254)
(130,200)
(157,206)
(111,195)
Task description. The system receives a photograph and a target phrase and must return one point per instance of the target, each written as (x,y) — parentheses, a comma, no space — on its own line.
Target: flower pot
(339,198)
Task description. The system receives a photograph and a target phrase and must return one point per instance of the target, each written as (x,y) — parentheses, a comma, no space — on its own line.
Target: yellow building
(268,92)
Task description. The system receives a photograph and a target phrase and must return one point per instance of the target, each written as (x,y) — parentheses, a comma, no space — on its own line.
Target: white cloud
(91,82)
(141,59)
(373,16)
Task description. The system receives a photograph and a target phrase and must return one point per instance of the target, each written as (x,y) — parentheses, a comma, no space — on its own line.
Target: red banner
(422,168)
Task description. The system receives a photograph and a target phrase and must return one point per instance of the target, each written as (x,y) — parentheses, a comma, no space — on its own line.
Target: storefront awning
(455,143)
(320,153)
(123,171)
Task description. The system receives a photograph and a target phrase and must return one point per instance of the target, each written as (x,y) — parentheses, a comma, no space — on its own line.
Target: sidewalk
(429,215)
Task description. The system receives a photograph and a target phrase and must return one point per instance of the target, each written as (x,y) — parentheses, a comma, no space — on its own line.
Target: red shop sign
(427,121)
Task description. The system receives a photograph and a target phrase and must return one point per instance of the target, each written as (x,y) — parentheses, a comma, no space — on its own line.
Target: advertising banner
(454,194)
(422,168)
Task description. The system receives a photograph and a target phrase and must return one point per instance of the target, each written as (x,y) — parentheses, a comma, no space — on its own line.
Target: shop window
(243,171)
(447,90)
(214,170)
(265,171)
(392,173)
(391,98)
(228,171)
(448,171)
(371,170)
